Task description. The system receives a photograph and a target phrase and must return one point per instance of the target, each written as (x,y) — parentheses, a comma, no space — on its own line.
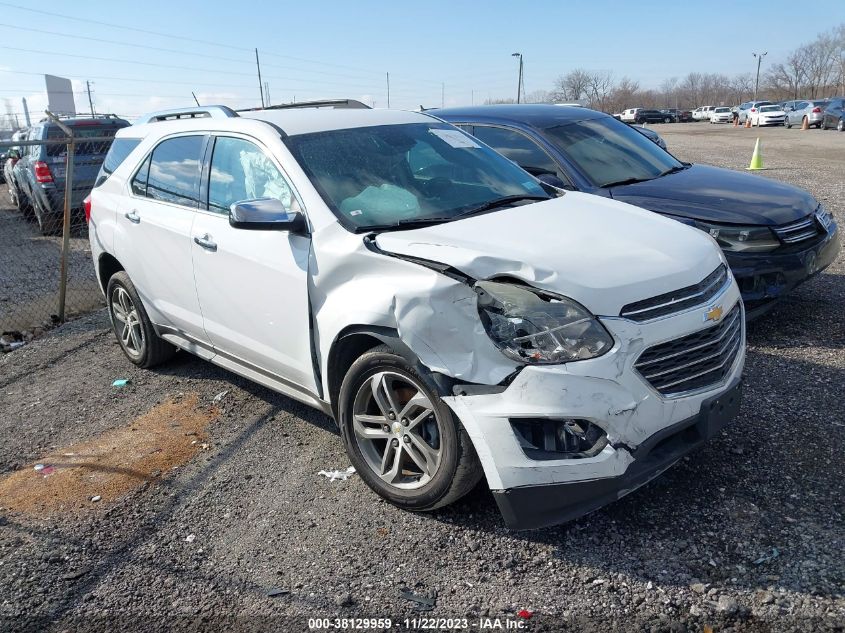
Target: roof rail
(324,103)
(201,112)
(82,116)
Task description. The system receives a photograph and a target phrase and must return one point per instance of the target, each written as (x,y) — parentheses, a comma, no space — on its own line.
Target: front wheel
(787,123)
(402,439)
(132,326)
(841,125)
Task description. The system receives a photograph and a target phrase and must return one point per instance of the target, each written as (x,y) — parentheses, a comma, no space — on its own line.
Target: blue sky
(343,49)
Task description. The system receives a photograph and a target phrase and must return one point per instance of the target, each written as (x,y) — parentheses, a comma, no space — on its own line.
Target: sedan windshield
(609,152)
(394,175)
(770,108)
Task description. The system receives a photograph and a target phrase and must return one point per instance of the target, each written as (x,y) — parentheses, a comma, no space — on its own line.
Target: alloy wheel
(127,323)
(397,430)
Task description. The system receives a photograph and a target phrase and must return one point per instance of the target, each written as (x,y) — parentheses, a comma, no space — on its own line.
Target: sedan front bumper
(764,278)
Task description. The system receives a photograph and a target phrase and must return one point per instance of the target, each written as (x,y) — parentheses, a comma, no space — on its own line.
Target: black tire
(667,120)
(155,350)
(841,125)
(459,469)
(787,123)
(823,124)
(48,223)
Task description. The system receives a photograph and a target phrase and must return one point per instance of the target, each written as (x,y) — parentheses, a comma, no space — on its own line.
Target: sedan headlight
(539,328)
(824,217)
(745,239)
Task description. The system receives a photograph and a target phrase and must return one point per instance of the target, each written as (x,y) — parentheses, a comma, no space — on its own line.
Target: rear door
(153,233)
(252,284)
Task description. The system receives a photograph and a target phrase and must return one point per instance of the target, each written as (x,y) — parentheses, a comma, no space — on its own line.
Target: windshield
(390,174)
(769,108)
(722,110)
(607,151)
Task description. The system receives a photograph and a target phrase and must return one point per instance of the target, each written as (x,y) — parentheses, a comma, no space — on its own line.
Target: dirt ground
(243,534)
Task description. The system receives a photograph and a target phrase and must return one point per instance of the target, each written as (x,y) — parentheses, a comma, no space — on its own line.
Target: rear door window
(174,174)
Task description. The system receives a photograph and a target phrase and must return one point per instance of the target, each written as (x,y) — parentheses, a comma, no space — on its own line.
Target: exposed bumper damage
(612,411)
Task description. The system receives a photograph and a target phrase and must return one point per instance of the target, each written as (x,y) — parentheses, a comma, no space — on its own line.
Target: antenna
(197,101)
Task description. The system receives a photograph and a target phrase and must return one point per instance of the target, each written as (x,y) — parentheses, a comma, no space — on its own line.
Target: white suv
(455,316)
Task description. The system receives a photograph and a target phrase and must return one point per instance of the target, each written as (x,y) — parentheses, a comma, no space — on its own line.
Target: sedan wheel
(841,125)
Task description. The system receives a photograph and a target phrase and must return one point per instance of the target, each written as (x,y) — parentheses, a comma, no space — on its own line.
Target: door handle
(206,242)
(132,216)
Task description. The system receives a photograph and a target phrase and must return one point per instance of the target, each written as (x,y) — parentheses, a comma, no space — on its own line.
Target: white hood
(602,253)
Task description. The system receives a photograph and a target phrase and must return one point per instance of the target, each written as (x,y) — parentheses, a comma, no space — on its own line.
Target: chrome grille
(695,361)
(672,302)
(799,231)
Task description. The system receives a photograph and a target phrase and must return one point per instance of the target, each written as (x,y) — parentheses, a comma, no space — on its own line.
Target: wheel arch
(107,266)
(355,340)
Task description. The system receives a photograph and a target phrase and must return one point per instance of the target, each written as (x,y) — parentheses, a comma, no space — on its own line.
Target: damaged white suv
(455,316)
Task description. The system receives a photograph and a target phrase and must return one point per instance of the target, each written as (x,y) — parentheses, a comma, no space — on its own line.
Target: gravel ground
(29,271)
(745,535)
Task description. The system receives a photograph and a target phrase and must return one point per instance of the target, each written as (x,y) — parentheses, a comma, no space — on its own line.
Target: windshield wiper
(407,223)
(499,202)
(626,181)
(673,170)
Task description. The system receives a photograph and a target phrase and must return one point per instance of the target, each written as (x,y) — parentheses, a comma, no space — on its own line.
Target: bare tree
(573,86)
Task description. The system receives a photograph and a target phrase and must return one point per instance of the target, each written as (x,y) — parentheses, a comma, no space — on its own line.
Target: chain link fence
(46,273)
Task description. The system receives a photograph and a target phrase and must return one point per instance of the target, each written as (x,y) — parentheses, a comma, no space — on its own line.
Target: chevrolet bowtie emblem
(713,314)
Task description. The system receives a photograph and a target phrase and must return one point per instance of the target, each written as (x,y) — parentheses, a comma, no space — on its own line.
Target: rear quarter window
(119,150)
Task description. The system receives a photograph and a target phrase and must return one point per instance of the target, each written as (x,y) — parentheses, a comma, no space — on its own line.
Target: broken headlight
(740,238)
(534,327)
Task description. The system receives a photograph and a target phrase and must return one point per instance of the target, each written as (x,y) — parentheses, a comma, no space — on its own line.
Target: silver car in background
(813,111)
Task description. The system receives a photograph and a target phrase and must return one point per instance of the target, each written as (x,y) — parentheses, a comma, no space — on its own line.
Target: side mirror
(553,180)
(265,214)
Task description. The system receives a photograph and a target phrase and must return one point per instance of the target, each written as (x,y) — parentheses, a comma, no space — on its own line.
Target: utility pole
(260,84)
(90,101)
(388,91)
(759,57)
(519,84)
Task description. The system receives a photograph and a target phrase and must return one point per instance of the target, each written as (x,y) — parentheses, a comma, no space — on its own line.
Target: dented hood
(602,253)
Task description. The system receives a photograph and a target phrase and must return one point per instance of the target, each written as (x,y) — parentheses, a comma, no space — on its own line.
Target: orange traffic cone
(748,121)
(756,158)
(804,124)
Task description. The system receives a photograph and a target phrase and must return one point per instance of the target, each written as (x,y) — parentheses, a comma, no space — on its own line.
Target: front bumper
(764,278)
(533,507)
(606,392)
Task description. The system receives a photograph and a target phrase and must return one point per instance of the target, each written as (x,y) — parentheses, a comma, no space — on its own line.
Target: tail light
(754,109)
(42,172)
(86,204)
(817,110)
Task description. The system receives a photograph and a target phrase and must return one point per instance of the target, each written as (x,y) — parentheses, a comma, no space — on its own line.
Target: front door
(252,284)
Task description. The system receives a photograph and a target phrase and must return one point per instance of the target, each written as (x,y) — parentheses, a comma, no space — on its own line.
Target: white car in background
(630,115)
(367,263)
(721,115)
(768,115)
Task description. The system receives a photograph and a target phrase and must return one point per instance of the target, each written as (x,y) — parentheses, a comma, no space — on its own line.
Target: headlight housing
(744,239)
(824,217)
(534,327)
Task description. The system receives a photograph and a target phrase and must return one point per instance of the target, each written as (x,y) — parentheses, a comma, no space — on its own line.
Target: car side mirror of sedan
(265,214)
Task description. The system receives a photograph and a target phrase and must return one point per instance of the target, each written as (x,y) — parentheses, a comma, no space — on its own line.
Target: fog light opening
(566,438)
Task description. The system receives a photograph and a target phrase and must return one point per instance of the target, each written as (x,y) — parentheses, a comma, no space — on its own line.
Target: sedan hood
(602,253)
(713,194)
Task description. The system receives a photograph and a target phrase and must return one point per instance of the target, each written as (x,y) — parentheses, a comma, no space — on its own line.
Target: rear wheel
(402,439)
(48,223)
(667,120)
(841,125)
(132,326)
(787,123)
(823,124)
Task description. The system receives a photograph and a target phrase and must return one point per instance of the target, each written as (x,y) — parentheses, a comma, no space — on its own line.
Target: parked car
(775,236)
(722,115)
(810,111)
(697,114)
(834,115)
(40,174)
(767,115)
(749,108)
(680,116)
(629,115)
(652,116)
(651,135)
(364,262)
